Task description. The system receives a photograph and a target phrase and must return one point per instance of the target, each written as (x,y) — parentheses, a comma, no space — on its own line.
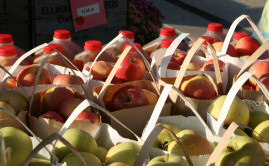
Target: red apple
(248,87)
(178,57)
(66,79)
(27,76)
(193,67)
(198,87)
(173,65)
(230,51)
(265,80)
(246,46)
(55,96)
(87,115)
(52,115)
(11,83)
(132,68)
(209,66)
(115,80)
(69,106)
(258,69)
(129,96)
(100,70)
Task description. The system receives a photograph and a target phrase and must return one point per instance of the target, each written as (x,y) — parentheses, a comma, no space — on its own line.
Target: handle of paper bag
(254,57)
(83,105)
(158,108)
(232,29)
(26,127)
(231,95)
(143,154)
(115,68)
(188,58)
(49,140)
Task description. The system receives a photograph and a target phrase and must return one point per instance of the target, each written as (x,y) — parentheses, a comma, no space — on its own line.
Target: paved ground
(192,16)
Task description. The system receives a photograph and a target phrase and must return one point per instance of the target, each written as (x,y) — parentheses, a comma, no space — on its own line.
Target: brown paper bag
(133,118)
(178,106)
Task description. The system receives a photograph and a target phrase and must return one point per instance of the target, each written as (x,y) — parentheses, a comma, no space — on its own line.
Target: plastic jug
(91,49)
(56,60)
(203,47)
(8,55)
(63,38)
(165,33)
(159,53)
(7,40)
(215,30)
(117,48)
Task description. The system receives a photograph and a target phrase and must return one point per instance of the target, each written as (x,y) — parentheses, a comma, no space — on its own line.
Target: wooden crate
(51,15)
(33,22)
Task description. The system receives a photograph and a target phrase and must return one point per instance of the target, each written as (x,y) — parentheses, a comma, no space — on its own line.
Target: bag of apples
(131,102)
(199,88)
(237,54)
(164,65)
(260,68)
(98,71)
(192,131)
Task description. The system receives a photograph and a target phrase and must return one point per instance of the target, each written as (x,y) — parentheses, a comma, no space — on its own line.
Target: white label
(88,10)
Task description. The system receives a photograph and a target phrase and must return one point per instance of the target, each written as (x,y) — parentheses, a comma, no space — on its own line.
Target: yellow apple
(8,107)
(255,118)
(238,111)
(171,126)
(101,153)
(90,159)
(263,131)
(169,160)
(152,97)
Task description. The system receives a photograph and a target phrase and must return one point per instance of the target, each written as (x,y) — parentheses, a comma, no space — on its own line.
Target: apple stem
(167,157)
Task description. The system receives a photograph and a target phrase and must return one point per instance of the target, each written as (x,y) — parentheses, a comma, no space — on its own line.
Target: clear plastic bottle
(165,33)
(134,52)
(203,48)
(237,36)
(91,49)
(56,60)
(159,53)
(117,48)
(63,38)
(8,55)
(7,40)
(215,30)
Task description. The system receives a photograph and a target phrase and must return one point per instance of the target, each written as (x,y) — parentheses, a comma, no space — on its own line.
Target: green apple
(90,159)
(118,164)
(171,126)
(39,162)
(240,132)
(238,111)
(194,143)
(16,99)
(263,131)
(162,141)
(212,145)
(80,139)
(241,150)
(8,107)
(19,142)
(168,160)
(125,152)
(255,118)
(101,153)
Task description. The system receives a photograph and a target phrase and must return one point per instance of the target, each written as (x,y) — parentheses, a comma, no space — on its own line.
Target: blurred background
(32,22)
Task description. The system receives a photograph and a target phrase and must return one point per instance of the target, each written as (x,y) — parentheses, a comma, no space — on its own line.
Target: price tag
(87,14)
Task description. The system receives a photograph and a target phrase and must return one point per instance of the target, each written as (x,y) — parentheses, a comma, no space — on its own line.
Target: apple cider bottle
(7,40)
(56,60)
(215,30)
(159,53)
(91,49)
(8,55)
(117,48)
(165,33)
(69,47)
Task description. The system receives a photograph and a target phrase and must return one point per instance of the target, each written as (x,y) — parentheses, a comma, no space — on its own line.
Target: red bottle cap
(62,34)
(128,34)
(208,38)
(216,27)
(168,32)
(93,45)
(166,42)
(8,51)
(239,35)
(132,49)
(48,49)
(6,38)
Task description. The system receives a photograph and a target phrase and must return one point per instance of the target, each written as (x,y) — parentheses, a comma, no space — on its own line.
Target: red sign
(87,14)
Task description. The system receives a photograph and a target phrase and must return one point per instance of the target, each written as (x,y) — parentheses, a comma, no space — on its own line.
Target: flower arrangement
(145,20)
